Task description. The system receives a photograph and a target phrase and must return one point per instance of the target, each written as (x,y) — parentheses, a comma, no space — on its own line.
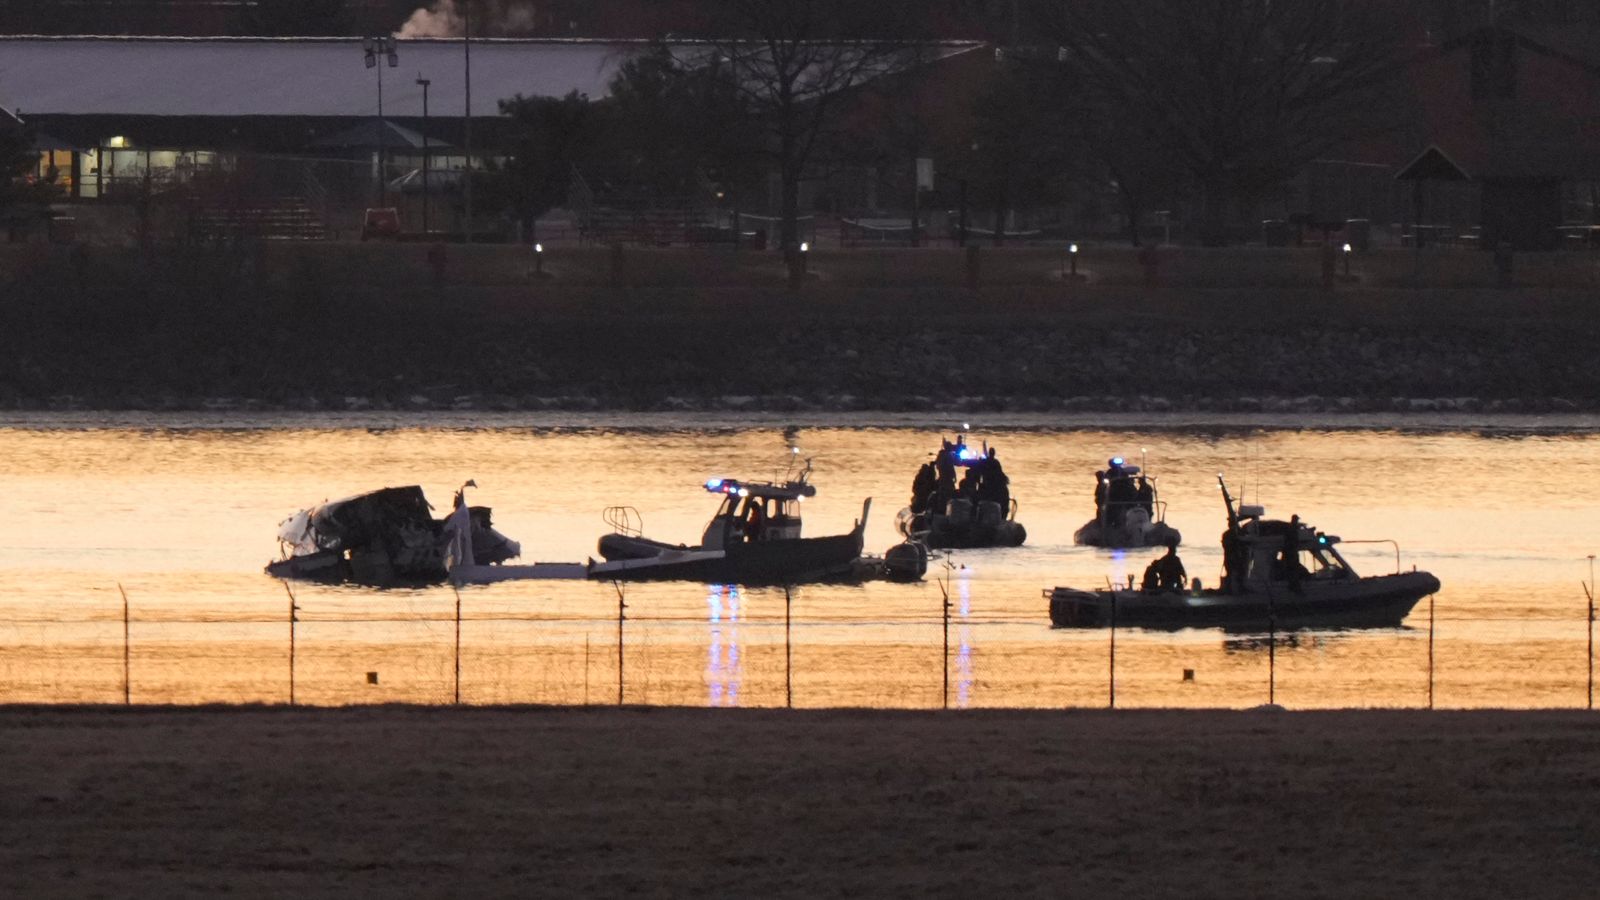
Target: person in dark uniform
(922,488)
(1166,572)
(1292,570)
(969,484)
(1147,497)
(1235,562)
(945,484)
(996,485)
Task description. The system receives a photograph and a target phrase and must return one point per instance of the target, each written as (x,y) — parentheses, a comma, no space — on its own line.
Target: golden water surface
(182,512)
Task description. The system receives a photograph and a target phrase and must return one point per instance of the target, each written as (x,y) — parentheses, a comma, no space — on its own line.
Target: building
(1498,143)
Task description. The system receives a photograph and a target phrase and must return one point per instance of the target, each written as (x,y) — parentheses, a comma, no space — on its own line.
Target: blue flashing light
(970,453)
(1116,460)
(1322,539)
(714,484)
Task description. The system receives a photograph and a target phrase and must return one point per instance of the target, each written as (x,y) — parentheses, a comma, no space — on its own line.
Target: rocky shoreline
(676,366)
(205,332)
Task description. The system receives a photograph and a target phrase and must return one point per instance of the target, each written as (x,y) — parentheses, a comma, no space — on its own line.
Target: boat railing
(1011,510)
(1391,542)
(624,520)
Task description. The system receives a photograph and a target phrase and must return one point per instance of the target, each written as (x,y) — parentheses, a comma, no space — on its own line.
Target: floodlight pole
(383,182)
(381,51)
(466,44)
(427,156)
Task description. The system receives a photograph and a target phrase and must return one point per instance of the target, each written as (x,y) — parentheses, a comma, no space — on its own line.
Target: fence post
(292,607)
(1112,674)
(788,651)
(127,681)
(1430,651)
(1272,651)
(1588,591)
(621,606)
(458,645)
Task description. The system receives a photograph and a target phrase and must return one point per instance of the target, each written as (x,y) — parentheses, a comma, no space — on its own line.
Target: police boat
(1128,511)
(754,538)
(962,499)
(1277,575)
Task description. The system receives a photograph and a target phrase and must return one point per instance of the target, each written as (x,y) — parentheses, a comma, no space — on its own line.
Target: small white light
(805,246)
(965,426)
(538,248)
(1347,248)
(1073,249)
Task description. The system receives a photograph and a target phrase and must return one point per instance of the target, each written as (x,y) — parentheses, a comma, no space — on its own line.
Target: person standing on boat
(996,485)
(944,467)
(1147,497)
(1292,570)
(1166,572)
(969,484)
(1235,562)
(922,488)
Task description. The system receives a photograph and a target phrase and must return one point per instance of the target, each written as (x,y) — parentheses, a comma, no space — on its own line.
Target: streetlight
(375,47)
(426,155)
(1347,249)
(466,124)
(1072,253)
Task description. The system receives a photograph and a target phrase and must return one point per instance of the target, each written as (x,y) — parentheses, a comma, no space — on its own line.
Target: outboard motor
(989,514)
(906,561)
(959,511)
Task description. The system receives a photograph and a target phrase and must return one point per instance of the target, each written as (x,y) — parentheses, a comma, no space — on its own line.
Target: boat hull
(943,532)
(1144,534)
(763,562)
(1377,602)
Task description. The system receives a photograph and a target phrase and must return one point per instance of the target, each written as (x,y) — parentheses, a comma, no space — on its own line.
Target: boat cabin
(1255,548)
(1121,488)
(755,511)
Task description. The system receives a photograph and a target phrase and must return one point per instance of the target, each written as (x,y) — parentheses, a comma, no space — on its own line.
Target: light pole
(466,43)
(426,156)
(375,47)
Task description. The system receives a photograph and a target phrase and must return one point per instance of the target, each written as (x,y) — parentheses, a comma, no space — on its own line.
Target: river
(179,514)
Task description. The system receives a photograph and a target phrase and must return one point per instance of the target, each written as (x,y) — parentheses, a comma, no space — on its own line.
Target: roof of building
(289,77)
(165,76)
(366,135)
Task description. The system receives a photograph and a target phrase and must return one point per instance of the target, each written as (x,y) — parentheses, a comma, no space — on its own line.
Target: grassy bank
(574,802)
(335,326)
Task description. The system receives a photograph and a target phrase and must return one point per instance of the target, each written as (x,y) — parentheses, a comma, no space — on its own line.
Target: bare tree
(23,195)
(1241,93)
(795,63)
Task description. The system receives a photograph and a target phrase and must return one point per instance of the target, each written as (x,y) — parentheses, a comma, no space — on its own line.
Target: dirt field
(542,802)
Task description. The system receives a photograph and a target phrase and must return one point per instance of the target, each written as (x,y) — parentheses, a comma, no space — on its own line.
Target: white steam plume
(443,18)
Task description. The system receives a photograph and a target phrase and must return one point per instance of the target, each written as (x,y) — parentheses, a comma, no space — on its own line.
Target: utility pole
(427,157)
(466,184)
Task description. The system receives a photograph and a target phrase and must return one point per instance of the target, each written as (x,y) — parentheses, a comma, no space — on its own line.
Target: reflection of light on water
(1119,568)
(723,673)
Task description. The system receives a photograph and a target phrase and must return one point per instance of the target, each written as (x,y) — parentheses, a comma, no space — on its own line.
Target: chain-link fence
(779,649)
